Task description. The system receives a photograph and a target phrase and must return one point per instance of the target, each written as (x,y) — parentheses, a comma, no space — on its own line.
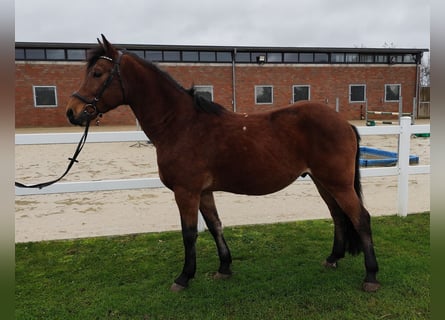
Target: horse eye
(97,74)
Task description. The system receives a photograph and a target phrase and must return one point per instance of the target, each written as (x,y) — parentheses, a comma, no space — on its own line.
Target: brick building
(243,79)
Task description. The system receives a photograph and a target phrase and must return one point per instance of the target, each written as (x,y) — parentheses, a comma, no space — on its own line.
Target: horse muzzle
(89,113)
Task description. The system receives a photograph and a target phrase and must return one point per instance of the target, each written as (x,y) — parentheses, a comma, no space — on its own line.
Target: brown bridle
(90,107)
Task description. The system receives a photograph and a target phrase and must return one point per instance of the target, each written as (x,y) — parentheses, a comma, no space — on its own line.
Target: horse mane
(200,104)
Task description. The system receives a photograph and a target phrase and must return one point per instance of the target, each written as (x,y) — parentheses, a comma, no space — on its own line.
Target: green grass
(277,275)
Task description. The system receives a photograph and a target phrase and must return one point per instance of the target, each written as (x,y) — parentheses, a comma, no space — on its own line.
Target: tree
(425,69)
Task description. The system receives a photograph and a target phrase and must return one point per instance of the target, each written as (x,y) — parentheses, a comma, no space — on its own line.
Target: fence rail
(402,170)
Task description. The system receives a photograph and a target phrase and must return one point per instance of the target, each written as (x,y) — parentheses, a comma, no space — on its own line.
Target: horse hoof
(176,287)
(332,265)
(219,275)
(371,286)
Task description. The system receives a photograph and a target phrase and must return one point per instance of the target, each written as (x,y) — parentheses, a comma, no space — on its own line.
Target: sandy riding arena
(86,214)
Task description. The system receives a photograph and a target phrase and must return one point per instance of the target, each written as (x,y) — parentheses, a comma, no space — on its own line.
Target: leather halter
(91,104)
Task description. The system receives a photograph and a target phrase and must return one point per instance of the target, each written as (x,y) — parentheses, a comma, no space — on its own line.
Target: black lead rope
(73,159)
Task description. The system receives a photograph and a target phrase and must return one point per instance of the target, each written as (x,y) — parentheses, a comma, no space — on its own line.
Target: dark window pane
(19,54)
(242,57)
(55,54)
(207,56)
(366,58)
(301,93)
(392,92)
(290,57)
(172,56)
(224,56)
(338,58)
(381,58)
(357,93)
(263,94)
(306,57)
(76,54)
(35,54)
(139,53)
(190,56)
(396,59)
(45,96)
(153,55)
(274,57)
(351,58)
(205,91)
(321,57)
(409,58)
(256,57)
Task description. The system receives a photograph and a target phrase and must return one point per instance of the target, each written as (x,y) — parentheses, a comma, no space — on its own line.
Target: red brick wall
(326,82)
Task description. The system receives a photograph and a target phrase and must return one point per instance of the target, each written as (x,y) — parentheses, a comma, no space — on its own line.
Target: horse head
(102,88)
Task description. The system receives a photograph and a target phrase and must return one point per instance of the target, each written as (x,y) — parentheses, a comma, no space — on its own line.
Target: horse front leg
(210,214)
(188,203)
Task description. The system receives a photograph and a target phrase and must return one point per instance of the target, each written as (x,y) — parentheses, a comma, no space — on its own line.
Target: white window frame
(205,88)
(400,91)
(350,93)
(256,94)
(301,86)
(44,105)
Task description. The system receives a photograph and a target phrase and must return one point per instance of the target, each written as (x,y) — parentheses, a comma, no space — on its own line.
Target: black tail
(352,238)
(357,182)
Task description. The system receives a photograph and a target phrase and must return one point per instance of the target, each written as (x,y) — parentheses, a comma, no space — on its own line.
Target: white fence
(402,170)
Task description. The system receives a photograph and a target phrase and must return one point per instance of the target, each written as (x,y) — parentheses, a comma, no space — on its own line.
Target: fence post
(403,164)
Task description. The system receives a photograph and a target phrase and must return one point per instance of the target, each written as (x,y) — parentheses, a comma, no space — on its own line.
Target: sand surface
(86,214)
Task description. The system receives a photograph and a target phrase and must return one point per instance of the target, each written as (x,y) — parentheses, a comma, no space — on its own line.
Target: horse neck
(161,106)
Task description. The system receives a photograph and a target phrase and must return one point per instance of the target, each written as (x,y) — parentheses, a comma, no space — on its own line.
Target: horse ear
(109,49)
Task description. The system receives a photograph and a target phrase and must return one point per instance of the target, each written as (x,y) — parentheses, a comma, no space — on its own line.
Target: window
(366,58)
(207,56)
(19,54)
(290,57)
(190,56)
(351,58)
(139,53)
(274,57)
(204,91)
(242,57)
(55,54)
(381,58)
(306,57)
(338,58)
(45,96)
(392,92)
(357,93)
(409,58)
(263,94)
(224,56)
(76,54)
(321,57)
(172,56)
(153,55)
(35,54)
(301,93)
(396,59)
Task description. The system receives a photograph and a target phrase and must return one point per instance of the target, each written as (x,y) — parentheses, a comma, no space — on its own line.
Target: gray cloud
(250,22)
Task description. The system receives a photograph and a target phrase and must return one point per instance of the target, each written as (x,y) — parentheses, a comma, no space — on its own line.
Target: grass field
(277,275)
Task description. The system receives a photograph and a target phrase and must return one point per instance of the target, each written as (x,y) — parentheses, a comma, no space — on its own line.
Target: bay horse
(202,147)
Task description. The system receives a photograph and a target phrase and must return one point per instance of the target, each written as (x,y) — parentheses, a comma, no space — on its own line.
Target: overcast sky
(287,23)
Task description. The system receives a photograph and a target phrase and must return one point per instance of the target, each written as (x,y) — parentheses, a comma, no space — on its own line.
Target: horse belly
(256,182)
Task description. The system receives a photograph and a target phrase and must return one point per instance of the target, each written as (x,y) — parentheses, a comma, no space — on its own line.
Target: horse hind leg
(352,231)
(210,214)
(360,219)
(345,236)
